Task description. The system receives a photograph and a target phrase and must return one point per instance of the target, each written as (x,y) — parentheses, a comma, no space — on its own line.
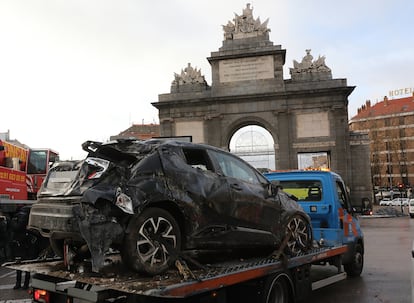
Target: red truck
(22,171)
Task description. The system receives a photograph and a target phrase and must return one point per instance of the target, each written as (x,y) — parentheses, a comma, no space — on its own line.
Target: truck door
(346,220)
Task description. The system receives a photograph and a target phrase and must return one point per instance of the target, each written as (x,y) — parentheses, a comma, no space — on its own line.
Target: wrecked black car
(155,201)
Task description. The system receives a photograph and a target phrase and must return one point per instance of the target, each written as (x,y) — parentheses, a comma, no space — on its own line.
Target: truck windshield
(304,190)
(37,162)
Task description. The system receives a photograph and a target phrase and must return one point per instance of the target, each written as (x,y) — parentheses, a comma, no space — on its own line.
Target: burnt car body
(157,200)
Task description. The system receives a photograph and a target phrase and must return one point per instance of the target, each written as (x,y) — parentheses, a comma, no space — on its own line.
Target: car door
(250,203)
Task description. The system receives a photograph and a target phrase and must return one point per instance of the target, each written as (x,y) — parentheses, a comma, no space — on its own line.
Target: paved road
(387,272)
(386,277)
(7,293)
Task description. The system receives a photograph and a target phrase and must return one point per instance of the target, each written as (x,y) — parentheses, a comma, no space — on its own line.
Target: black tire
(276,290)
(152,243)
(354,268)
(300,240)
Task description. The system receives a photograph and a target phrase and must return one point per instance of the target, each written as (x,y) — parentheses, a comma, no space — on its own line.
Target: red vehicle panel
(22,170)
(12,184)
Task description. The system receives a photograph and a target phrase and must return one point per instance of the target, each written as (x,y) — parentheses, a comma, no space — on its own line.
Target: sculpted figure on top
(245,26)
(309,66)
(188,75)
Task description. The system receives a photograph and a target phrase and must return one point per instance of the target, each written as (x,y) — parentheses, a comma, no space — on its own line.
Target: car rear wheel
(152,243)
(300,239)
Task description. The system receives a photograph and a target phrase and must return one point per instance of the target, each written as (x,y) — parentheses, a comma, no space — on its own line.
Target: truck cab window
(37,163)
(341,195)
(304,190)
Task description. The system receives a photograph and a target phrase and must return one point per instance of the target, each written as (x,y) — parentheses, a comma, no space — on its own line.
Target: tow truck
(276,278)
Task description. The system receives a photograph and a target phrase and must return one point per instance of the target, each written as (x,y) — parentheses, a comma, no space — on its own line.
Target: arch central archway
(255,145)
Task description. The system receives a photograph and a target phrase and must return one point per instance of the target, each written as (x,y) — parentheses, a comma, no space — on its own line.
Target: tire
(152,243)
(276,290)
(300,240)
(354,269)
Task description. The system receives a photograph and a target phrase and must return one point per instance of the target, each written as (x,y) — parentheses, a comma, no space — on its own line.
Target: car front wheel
(152,242)
(300,235)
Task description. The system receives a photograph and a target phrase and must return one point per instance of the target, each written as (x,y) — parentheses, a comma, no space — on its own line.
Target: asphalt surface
(386,277)
(7,293)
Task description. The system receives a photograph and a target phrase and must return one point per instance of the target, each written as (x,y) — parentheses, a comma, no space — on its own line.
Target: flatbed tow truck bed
(53,276)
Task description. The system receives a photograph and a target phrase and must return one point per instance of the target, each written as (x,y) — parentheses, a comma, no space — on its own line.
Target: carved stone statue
(245,26)
(309,66)
(188,80)
(188,75)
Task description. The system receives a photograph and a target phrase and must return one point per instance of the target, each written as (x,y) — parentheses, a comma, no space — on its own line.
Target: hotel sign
(401,91)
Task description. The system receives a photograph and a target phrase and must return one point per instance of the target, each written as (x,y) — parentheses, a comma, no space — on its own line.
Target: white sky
(79,70)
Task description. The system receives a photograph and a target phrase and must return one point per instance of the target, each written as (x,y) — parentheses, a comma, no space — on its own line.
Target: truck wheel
(354,269)
(276,290)
(301,235)
(150,246)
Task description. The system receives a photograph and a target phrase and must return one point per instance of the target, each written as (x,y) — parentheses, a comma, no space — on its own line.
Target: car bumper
(53,217)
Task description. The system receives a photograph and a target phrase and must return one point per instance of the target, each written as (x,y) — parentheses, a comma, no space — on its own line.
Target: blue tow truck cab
(324,196)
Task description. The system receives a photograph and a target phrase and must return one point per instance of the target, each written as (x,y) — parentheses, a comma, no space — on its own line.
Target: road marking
(8,274)
(6,286)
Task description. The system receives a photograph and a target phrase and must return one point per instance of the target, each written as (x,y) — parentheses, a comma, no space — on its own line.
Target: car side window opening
(304,190)
(198,158)
(233,167)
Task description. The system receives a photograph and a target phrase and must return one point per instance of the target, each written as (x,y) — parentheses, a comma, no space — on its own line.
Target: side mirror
(274,187)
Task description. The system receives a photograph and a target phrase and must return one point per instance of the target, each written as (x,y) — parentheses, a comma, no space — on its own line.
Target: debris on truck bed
(172,283)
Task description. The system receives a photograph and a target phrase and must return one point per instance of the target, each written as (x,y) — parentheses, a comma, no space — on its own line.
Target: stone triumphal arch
(307,115)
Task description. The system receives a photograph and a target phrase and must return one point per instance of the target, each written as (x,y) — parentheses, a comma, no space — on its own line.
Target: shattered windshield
(60,178)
